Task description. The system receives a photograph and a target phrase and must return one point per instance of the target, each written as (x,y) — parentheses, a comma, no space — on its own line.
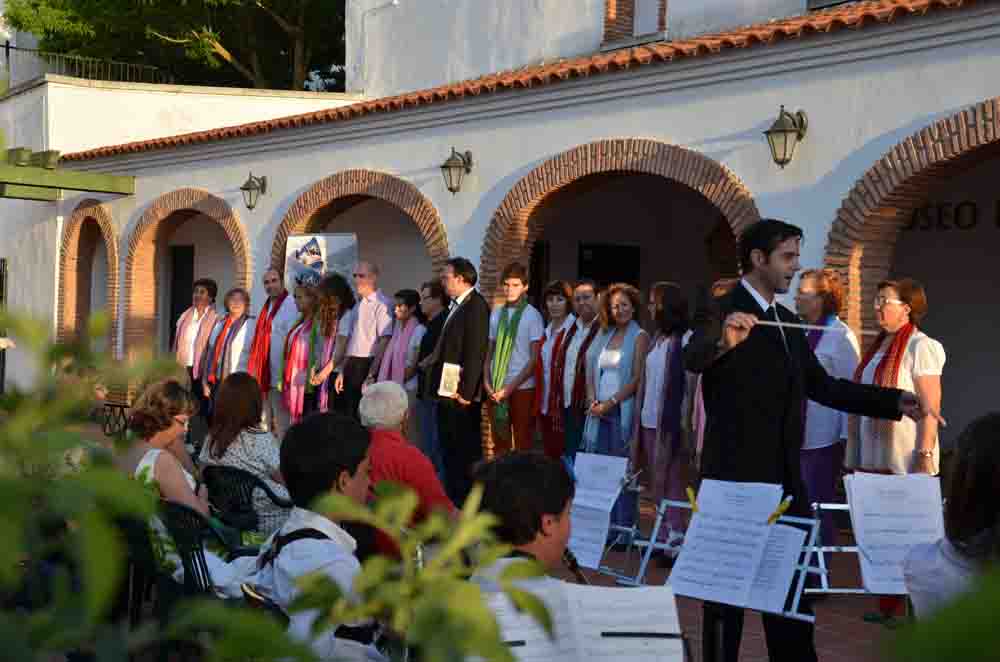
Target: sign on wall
(319,254)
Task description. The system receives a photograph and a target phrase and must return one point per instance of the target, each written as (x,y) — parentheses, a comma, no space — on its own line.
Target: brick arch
(71,269)
(363,183)
(861,244)
(513,230)
(142,261)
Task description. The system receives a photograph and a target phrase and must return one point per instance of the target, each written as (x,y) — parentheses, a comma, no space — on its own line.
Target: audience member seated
(158,458)
(938,572)
(237,440)
(531,496)
(325,453)
(384,409)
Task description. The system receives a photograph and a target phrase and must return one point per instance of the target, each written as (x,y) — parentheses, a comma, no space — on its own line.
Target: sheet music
(649,609)
(889,515)
(725,541)
(769,591)
(598,483)
(582,613)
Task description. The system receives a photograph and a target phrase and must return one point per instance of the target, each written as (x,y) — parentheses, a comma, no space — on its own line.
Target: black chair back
(231,490)
(188,528)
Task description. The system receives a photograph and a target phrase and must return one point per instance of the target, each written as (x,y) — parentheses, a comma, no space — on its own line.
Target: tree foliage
(63,500)
(263,43)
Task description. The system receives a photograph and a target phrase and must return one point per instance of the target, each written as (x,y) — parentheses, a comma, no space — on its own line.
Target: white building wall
(396,47)
(864,91)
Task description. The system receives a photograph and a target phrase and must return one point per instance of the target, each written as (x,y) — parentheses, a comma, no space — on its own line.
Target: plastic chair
(231,490)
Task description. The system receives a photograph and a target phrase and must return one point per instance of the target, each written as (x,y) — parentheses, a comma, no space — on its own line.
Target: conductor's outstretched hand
(736,329)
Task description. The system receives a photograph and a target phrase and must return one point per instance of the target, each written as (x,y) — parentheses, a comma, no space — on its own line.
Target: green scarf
(506,338)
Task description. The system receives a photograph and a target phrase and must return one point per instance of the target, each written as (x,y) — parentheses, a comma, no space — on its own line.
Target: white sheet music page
(774,576)
(527,640)
(891,514)
(642,613)
(725,541)
(598,482)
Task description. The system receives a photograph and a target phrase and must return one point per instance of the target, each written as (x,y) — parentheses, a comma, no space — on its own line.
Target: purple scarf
(672,396)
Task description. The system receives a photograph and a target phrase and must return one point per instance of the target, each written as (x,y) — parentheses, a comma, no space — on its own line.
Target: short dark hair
(208,284)
(519,489)
(558,288)
(973,506)
(464,269)
(315,452)
(437,291)
(672,312)
(912,293)
(336,287)
(764,236)
(515,270)
(412,300)
(586,282)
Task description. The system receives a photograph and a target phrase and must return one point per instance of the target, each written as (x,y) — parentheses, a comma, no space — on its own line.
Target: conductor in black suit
(464,340)
(755,381)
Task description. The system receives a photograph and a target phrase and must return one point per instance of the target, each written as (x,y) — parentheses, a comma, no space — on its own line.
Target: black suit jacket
(754,396)
(464,341)
(427,345)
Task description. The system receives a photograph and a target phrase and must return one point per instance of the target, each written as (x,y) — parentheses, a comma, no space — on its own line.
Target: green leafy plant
(62,554)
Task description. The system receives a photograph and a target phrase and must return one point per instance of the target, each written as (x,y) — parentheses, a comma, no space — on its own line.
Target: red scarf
(579,392)
(554,380)
(887,370)
(260,351)
(220,344)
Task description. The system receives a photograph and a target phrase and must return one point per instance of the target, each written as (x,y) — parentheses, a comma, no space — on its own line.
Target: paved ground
(841,633)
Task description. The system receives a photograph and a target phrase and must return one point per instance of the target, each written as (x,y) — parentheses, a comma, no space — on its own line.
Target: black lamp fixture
(253,188)
(455,168)
(785,134)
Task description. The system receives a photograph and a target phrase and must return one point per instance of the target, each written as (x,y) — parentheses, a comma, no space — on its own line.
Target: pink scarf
(296,369)
(393,366)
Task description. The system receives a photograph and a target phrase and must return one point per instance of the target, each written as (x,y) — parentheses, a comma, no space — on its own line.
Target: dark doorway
(181,284)
(609,263)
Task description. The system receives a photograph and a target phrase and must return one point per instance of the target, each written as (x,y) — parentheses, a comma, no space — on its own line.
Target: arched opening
(632,227)
(182,236)
(929,210)
(88,267)
(654,196)
(396,225)
(629,209)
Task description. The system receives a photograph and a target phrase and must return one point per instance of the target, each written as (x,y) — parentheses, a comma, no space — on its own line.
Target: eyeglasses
(881,301)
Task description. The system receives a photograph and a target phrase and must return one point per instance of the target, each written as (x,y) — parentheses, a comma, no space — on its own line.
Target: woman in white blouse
(819,298)
(398,362)
(549,371)
(663,435)
(229,344)
(903,357)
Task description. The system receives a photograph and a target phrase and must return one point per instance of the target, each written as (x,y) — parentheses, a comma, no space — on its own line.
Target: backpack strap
(279,543)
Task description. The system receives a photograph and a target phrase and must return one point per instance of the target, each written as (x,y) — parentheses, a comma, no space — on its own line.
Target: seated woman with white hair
(384,409)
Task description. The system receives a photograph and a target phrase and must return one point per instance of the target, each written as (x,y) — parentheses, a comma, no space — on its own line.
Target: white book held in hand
(450,375)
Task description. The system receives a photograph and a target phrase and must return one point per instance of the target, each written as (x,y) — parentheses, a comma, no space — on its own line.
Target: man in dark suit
(464,340)
(755,381)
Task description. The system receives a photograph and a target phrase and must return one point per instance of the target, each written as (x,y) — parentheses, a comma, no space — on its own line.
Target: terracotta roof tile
(854,15)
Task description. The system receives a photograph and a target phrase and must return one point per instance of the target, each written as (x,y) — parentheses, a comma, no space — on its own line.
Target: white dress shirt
(191,335)
(459,300)
(334,558)
(282,323)
(838,352)
(936,573)
(572,354)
